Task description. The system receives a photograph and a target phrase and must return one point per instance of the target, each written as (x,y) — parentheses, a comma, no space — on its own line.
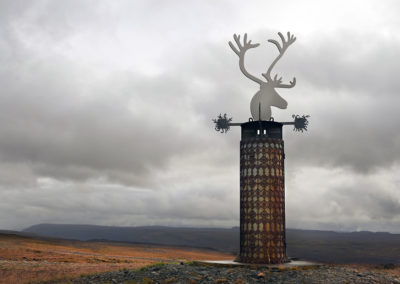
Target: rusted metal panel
(262,200)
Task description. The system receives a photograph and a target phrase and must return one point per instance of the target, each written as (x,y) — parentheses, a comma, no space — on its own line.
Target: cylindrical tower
(262,194)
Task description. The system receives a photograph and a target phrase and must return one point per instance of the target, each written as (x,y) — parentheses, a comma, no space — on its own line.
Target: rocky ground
(194,273)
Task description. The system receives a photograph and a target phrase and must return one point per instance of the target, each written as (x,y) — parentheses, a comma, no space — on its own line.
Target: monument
(262,172)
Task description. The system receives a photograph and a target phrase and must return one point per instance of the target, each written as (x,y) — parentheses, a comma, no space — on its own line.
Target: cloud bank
(106,112)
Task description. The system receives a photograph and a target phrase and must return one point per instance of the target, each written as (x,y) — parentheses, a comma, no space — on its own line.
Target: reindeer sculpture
(267,96)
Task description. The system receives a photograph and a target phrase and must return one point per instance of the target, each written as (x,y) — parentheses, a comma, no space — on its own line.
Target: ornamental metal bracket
(300,123)
(222,123)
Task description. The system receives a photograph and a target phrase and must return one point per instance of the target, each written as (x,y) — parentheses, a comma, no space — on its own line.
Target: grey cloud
(340,199)
(17,175)
(85,203)
(349,135)
(369,200)
(43,126)
(125,128)
(363,62)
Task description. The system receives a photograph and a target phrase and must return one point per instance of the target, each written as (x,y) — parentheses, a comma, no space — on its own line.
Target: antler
(241,51)
(285,44)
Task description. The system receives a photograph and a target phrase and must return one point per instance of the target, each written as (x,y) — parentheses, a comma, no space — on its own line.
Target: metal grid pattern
(262,201)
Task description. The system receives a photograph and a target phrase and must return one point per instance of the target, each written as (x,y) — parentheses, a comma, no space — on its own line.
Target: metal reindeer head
(267,96)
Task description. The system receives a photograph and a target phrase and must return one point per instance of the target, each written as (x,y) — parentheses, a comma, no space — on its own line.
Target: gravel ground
(190,273)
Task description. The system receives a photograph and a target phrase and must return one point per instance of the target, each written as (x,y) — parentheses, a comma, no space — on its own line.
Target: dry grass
(26,260)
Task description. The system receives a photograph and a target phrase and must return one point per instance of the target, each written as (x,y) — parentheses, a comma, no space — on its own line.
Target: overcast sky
(106,111)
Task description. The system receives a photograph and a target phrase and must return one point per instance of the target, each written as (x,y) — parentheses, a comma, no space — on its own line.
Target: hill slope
(218,239)
(33,259)
(325,246)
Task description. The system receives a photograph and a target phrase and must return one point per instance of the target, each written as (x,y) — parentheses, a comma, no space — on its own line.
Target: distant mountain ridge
(325,246)
(226,240)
